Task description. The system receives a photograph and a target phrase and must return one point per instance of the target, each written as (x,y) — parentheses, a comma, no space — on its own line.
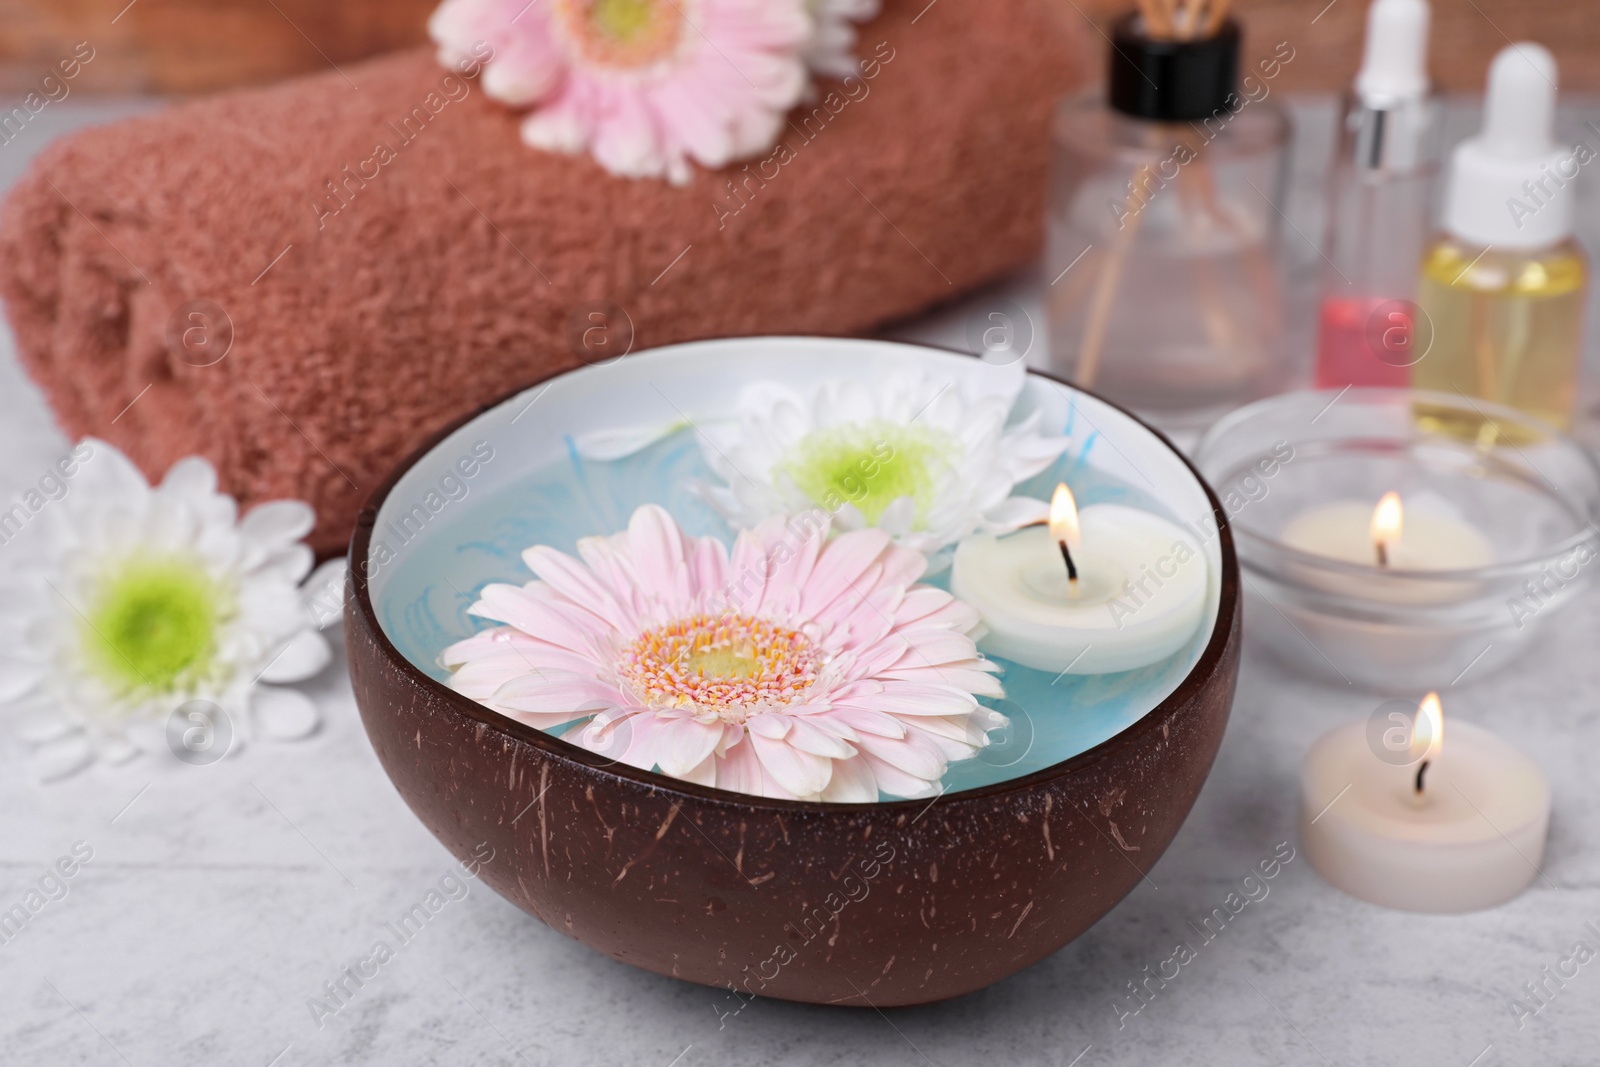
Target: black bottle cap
(1172,80)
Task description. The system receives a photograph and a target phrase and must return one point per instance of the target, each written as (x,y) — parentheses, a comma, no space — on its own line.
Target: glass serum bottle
(1502,287)
(1380,207)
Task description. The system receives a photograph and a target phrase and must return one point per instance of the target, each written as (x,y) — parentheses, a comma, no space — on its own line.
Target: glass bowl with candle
(1400,539)
(692,730)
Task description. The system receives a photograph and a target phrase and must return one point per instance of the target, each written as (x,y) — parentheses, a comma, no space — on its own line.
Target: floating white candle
(1111,589)
(1455,827)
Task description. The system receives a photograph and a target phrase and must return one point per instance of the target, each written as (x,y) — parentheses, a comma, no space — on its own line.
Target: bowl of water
(887,902)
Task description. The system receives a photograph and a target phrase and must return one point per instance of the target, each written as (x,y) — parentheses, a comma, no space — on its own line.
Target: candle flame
(1387,522)
(1064,518)
(1427,733)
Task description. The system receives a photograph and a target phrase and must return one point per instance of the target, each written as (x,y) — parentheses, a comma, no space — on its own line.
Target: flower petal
(61,758)
(740,771)
(657,550)
(808,738)
(704,773)
(560,622)
(18,676)
(304,656)
(915,754)
(771,726)
(567,576)
(191,476)
(605,446)
(107,475)
(291,563)
(283,714)
(1014,512)
(324,592)
(867,721)
(897,783)
(853,783)
(118,750)
(278,522)
(555,692)
(682,744)
(914,699)
(801,773)
(37,727)
(840,568)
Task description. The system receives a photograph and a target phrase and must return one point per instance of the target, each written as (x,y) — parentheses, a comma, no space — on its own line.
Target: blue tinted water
(480,539)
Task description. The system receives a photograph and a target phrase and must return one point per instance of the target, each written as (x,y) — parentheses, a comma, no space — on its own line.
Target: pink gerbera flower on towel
(796,666)
(644,85)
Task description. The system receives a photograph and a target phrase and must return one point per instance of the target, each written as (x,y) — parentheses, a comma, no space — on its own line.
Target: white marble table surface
(220,898)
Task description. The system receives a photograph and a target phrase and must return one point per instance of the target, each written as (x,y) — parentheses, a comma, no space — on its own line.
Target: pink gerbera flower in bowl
(795,666)
(644,85)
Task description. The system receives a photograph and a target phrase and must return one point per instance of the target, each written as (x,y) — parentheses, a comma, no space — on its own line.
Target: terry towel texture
(390,256)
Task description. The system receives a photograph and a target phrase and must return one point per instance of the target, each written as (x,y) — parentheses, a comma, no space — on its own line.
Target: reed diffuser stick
(1105,292)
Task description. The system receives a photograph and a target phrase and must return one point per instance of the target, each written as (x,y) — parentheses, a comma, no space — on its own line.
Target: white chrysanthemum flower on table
(644,86)
(149,598)
(925,460)
(793,666)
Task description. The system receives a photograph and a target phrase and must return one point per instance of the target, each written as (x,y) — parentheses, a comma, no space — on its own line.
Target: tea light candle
(1456,828)
(1111,589)
(1351,531)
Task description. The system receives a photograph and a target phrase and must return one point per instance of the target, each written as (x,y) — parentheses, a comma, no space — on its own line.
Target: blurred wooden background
(190,46)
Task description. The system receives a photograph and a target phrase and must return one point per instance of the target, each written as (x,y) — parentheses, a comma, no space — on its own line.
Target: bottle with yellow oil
(1500,299)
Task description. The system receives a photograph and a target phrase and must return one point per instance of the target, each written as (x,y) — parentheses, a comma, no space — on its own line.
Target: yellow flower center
(622,34)
(727,665)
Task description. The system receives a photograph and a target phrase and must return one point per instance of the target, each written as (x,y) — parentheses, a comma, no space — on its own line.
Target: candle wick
(1383,555)
(1423,769)
(1072,569)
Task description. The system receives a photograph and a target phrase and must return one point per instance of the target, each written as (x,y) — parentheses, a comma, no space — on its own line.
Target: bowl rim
(1204,669)
(1285,555)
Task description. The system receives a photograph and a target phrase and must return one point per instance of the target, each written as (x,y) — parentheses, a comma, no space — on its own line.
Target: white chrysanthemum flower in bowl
(927,461)
(152,598)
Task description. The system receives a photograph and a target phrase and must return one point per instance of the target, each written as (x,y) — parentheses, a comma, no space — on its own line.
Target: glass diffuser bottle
(1503,285)
(1380,210)
(1162,273)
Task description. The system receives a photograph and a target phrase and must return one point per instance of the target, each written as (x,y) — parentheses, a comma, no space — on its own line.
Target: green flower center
(621,34)
(870,465)
(623,20)
(153,625)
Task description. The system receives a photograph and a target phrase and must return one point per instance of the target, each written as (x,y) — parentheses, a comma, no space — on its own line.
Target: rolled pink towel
(391,256)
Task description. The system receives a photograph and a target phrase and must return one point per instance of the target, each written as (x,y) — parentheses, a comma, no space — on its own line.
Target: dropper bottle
(1380,210)
(1503,286)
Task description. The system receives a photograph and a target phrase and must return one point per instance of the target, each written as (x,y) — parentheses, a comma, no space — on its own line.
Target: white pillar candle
(1140,593)
(1473,837)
